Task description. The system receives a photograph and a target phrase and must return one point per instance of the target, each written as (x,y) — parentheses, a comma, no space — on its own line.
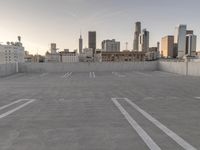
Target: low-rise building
(52,56)
(198,53)
(110,46)
(87,55)
(153,53)
(68,57)
(61,57)
(122,56)
(13,52)
(30,58)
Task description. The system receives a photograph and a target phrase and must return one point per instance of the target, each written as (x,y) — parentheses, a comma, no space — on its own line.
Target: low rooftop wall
(183,68)
(86,67)
(7,69)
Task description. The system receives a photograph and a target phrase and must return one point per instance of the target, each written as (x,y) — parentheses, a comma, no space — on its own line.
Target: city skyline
(60,22)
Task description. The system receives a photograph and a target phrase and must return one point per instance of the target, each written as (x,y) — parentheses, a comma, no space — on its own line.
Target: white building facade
(12,53)
(68,57)
(191,44)
(144,41)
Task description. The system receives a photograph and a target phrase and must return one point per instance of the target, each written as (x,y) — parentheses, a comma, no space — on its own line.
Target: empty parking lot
(138,110)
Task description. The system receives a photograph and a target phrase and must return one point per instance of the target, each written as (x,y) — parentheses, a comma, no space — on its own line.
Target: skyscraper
(92,41)
(191,43)
(180,40)
(144,41)
(80,44)
(53,48)
(136,36)
(167,47)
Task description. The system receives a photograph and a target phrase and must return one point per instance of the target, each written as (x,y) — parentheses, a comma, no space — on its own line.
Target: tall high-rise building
(92,41)
(167,47)
(158,46)
(144,41)
(110,46)
(136,36)
(191,44)
(180,40)
(80,44)
(53,48)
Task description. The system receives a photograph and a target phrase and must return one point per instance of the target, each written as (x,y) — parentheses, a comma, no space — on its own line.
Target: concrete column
(17,67)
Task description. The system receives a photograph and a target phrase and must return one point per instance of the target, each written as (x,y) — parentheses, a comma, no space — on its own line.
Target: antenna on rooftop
(19,38)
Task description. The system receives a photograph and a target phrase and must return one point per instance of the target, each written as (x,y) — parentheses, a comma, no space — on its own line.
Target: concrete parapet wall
(173,67)
(183,68)
(7,69)
(194,68)
(86,67)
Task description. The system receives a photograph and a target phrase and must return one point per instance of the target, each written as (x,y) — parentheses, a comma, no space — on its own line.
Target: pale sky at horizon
(41,22)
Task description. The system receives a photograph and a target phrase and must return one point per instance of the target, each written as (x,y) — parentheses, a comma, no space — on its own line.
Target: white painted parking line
(64,76)
(143,74)
(67,75)
(15,102)
(92,75)
(43,74)
(197,97)
(167,131)
(122,76)
(113,73)
(17,108)
(145,137)
(118,75)
(168,74)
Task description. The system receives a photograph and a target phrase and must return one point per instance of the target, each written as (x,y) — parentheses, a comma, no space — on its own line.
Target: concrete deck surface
(75,111)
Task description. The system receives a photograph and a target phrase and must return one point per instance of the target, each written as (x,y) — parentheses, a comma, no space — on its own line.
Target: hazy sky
(41,22)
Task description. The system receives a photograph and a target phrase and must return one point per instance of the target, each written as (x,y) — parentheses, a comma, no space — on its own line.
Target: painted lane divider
(15,102)
(162,127)
(67,75)
(145,137)
(92,75)
(44,74)
(197,97)
(17,108)
(118,75)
